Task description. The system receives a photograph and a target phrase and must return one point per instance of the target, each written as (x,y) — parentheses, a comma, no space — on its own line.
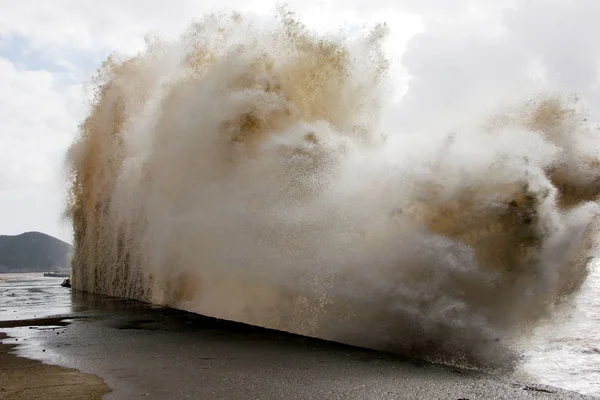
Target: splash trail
(244,172)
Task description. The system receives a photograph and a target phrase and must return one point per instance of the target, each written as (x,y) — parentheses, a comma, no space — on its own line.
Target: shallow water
(24,296)
(564,353)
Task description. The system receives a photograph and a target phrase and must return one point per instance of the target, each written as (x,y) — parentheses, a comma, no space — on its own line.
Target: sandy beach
(23,378)
(123,349)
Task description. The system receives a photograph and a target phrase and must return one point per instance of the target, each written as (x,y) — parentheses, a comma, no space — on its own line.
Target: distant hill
(33,252)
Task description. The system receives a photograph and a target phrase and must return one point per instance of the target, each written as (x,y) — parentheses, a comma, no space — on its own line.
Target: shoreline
(128,349)
(23,378)
(133,349)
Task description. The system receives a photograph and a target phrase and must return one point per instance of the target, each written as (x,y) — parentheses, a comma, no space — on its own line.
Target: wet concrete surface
(144,351)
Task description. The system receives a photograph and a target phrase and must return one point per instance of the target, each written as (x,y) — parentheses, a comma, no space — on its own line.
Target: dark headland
(33,252)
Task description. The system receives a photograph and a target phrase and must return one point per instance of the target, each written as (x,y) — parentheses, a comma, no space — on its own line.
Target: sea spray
(243,172)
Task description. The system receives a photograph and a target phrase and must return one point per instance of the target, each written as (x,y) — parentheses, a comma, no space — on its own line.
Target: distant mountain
(33,252)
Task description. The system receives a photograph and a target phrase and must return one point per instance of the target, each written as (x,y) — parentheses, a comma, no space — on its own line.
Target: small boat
(56,274)
(66,283)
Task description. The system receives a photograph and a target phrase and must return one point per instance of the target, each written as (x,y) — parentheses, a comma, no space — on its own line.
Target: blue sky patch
(18,50)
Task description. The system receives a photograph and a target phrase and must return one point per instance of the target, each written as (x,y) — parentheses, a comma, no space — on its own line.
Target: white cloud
(38,117)
(122,25)
(93,26)
(565,38)
(489,53)
(38,121)
(33,209)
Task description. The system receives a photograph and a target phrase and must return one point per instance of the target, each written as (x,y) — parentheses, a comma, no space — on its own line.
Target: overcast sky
(456,52)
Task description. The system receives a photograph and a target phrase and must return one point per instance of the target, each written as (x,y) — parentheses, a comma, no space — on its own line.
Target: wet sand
(144,351)
(26,379)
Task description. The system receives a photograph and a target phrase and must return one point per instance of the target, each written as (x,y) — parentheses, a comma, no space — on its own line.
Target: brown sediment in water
(23,378)
(252,182)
